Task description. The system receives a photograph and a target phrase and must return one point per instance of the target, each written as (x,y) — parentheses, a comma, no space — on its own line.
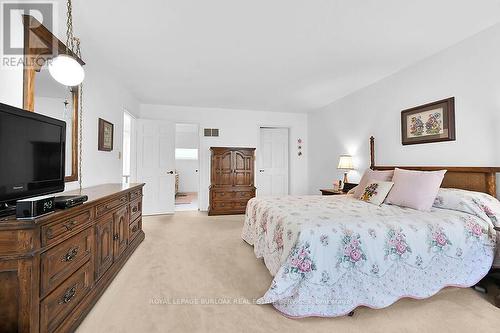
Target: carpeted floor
(192,257)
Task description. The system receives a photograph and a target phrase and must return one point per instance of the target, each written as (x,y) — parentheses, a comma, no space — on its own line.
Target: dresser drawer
(134,229)
(108,206)
(135,194)
(53,232)
(63,260)
(135,209)
(56,307)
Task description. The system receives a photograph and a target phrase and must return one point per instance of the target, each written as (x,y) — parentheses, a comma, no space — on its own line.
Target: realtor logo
(12,24)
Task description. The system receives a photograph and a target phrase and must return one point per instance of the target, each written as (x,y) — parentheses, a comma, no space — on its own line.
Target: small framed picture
(105,141)
(433,122)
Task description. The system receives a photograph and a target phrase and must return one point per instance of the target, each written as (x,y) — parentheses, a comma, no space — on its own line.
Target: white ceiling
(281,55)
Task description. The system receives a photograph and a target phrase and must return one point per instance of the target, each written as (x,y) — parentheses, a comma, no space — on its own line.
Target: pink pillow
(415,189)
(369,175)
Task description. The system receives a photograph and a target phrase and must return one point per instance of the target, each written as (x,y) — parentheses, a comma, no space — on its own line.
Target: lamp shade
(66,70)
(345,162)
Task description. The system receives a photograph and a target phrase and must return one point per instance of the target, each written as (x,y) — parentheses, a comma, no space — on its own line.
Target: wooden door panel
(120,235)
(104,245)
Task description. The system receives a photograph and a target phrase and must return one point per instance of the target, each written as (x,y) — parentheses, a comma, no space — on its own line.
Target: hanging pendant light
(64,68)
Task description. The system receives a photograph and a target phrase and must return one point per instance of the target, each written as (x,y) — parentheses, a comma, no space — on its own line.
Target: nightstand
(331,192)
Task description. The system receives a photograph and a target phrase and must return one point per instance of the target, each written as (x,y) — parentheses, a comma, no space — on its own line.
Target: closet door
(222,166)
(243,167)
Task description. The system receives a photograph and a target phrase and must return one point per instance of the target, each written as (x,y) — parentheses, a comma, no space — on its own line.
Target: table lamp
(345,163)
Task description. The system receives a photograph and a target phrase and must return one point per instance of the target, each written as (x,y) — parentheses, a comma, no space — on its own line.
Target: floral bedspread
(331,254)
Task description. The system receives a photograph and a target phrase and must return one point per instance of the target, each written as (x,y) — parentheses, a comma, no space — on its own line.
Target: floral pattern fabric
(329,255)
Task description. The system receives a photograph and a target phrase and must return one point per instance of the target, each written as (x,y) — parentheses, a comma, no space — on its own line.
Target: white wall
(11,77)
(188,177)
(238,128)
(470,71)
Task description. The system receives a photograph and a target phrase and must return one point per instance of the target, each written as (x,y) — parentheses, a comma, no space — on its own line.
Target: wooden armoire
(232,180)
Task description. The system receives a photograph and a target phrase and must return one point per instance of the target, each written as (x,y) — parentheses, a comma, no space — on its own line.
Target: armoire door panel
(223,175)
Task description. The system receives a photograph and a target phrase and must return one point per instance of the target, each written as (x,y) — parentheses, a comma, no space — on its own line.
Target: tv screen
(32,154)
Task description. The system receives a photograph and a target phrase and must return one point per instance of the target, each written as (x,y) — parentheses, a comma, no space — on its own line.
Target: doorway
(128,160)
(187,166)
(273,159)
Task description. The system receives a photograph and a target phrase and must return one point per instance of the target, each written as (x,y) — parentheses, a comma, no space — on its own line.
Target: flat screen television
(32,154)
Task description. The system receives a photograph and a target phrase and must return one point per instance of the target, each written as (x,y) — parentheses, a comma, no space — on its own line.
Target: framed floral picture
(433,122)
(105,139)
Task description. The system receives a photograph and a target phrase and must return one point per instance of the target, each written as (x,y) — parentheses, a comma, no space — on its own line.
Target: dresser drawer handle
(68,295)
(134,209)
(70,225)
(49,233)
(222,194)
(135,228)
(72,253)
(116,237)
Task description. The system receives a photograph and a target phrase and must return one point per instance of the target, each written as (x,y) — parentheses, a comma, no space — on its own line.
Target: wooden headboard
(479,179)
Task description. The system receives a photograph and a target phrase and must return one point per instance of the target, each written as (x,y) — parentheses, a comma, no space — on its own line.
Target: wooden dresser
(232,180)
(53,269)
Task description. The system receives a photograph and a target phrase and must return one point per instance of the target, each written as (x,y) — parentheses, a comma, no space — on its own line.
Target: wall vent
(211,132)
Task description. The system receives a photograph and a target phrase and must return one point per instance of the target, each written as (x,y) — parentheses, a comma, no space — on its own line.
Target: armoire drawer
(233,205)
(232,195)
(240,204)
(242,195)
(56,307)
(61,261)
(56,231)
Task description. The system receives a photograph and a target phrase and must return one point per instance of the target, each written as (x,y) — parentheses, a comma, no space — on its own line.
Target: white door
(156,165)
(273,162)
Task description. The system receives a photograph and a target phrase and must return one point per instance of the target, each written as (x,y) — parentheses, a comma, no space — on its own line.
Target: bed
(331,254)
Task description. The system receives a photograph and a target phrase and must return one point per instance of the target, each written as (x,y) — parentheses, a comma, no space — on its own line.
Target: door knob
(170,172)
(261,170)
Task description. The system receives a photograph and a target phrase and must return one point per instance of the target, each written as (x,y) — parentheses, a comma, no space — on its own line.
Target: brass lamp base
(345,178)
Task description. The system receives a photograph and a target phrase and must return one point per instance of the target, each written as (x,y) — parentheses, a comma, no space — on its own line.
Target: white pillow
(371,175)
(376,191)
(415,189)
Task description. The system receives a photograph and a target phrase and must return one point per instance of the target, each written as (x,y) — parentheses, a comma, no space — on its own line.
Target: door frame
(257,155)
(199,157)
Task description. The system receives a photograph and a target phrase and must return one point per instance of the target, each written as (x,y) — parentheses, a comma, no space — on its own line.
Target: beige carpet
(192,256)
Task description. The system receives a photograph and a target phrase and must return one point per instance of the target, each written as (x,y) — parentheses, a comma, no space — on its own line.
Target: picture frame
(432,122)
(105,140)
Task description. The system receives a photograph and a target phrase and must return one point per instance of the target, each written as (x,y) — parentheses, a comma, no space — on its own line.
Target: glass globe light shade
(66,70)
